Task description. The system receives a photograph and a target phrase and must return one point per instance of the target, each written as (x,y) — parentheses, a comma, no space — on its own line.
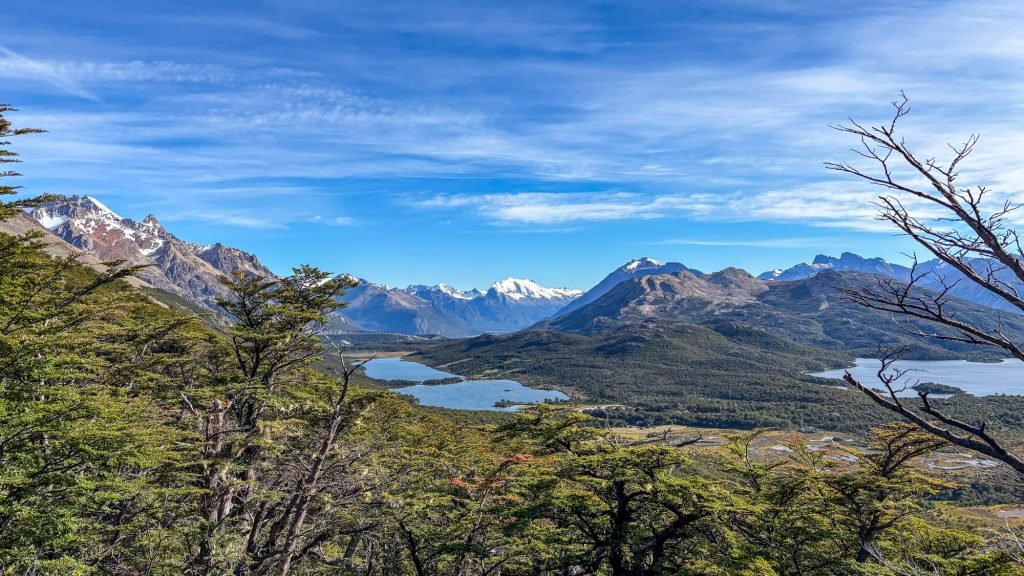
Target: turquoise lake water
(978,378)
(465,395)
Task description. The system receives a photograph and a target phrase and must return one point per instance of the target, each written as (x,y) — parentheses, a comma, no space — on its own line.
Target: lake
(465,395)
(978,378)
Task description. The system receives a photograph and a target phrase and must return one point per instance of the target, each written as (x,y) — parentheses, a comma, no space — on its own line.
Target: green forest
(733,376)
(136,438)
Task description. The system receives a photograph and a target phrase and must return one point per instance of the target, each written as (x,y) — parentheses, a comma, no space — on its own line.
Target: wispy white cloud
(797,242)
(343,221)
(81,78)
(555,102)
(230,218)
(559,208)
(830,204)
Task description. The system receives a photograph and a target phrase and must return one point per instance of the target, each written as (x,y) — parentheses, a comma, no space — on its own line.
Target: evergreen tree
(8,156)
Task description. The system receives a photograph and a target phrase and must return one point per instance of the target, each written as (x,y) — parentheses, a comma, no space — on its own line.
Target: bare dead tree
(956,226)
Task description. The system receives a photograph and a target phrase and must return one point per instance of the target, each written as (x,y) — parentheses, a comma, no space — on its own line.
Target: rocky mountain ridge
(809,311)
(643,266)
(934,275)
(641,288)
(192,271)
(186,269)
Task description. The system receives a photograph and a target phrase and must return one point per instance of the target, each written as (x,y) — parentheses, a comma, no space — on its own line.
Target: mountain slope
(808,311)
(933,275)
(188,270)
(634,268)
(21,224)
(723,373)
(378,308)
(508,305)
(938,275)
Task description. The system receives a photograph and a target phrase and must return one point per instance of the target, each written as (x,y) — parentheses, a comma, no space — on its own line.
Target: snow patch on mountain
(102,207)
(642,263)
(518,288)
(48,220)
(455,292)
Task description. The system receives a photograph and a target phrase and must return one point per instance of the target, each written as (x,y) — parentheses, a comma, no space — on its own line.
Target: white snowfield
(644,262)
(517,288)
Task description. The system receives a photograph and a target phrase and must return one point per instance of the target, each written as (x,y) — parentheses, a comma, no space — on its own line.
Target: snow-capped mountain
(506,306)
(934,275)
(193,270)
(442,291)
(847,262)
(186,269)
(634,268)
(518,289)
(85,222)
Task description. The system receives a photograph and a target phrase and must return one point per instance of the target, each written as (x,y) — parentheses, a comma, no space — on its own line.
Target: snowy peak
(508,305)
(847,262)
(513,288)
(643,263)
(190,270)
(96,204)
(638,267)
(151,223)
(455,292)
(87,223)
(518,288)
(442,290)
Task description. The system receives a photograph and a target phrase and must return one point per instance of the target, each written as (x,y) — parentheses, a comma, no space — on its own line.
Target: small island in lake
(937,388)
(431,382)
(511,403)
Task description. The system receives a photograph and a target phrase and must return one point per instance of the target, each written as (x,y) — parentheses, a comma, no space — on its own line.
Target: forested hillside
(721,373)
(134,440)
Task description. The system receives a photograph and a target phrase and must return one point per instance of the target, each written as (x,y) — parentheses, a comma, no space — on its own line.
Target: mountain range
(506,306)
(192,271)
(934,275)
(720,349)
(742,355)
(808,311)
(643,288)
(634,268)
(662,343)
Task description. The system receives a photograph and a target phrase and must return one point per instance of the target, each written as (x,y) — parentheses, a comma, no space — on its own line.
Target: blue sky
(461,142)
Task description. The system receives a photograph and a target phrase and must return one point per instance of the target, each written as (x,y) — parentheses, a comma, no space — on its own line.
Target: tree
(9,209)
(84,449)
(782,511)
(621,508)
(254,505)
(957,225)
(876,497)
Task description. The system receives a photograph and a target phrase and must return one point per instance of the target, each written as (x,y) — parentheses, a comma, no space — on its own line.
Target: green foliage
(84,450)
(724,375)
(721,374)
(10,157)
